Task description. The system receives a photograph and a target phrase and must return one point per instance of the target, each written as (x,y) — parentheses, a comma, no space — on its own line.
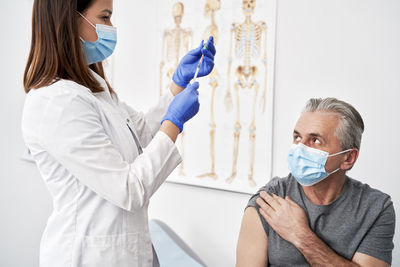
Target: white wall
(24,201)
(343,48)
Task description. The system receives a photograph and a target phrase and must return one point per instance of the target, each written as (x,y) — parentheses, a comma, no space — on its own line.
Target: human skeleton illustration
(212,30)
(175,44)
(247,39)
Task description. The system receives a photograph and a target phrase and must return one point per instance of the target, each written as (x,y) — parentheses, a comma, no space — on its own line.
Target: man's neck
(326,191)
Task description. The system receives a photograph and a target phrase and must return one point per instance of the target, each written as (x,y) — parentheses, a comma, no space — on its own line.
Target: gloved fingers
(178,78)
(196,92)
(196,106)
(207,54)
(204,72)
(197,51)
(208,64)
(210,45)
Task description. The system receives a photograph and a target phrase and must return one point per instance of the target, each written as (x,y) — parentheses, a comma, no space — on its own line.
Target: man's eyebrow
(310,134)
(316,135)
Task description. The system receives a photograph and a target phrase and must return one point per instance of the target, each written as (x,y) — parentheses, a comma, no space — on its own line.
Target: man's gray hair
(351,125)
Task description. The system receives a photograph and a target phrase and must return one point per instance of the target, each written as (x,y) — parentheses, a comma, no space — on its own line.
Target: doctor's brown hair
(56,51)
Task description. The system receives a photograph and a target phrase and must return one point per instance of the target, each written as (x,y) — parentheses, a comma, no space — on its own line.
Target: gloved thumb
(193,86)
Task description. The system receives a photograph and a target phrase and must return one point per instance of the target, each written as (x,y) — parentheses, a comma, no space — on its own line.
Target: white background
(343,48)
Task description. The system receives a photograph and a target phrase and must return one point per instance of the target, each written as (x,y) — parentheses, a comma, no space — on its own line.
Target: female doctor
(100,159)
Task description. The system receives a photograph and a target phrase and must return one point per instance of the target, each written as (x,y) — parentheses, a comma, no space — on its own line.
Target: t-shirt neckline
(337,200)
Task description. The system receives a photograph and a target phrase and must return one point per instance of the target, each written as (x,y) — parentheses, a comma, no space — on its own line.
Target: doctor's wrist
(176,89)
(170,129)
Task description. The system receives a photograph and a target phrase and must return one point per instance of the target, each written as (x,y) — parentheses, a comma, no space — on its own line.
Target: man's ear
(350,159)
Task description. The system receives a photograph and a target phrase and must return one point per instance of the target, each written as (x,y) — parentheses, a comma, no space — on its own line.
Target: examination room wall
(346,49)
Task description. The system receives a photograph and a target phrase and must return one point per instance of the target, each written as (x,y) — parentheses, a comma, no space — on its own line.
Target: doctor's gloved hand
(186,69)
(184,106)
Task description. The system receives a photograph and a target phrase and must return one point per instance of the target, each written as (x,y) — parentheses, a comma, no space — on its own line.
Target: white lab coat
(91,165)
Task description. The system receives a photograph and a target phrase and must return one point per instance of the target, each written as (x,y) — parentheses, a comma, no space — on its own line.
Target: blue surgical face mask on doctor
(307,164)
(104,46)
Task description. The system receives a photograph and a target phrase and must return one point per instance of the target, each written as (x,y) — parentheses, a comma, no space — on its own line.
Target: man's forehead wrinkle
(320,123)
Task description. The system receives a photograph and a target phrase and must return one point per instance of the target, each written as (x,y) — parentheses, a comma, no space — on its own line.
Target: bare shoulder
(253,241)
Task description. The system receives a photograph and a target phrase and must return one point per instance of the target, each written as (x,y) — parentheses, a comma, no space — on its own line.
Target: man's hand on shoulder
(284,215)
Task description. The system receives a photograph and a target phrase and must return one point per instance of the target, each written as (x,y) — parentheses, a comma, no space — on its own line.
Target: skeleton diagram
(247,40)
(212,30)
(175,44)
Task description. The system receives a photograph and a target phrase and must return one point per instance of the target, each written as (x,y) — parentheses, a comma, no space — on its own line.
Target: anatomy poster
(227,145)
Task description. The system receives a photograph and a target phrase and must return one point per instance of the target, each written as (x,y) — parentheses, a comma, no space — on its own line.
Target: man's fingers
(270,200)
(277,198)
(264,206)
(290,200)
(266,216)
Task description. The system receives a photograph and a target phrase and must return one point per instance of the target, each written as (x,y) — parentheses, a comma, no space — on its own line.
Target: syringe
(198,66)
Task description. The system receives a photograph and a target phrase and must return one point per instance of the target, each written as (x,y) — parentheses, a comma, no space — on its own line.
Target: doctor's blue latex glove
(184,106)
(187,67)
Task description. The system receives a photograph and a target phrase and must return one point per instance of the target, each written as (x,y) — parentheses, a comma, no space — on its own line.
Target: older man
(317,215)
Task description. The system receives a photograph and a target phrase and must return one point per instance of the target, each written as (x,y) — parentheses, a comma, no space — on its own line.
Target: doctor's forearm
(170,129)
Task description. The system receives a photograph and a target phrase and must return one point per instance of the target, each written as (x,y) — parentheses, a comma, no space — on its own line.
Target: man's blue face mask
(307,164)
(104,46)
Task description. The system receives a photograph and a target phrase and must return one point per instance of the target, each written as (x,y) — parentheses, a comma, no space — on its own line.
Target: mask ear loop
(341,152)
(83,41)
(334,171)
(344,151)
(86,19)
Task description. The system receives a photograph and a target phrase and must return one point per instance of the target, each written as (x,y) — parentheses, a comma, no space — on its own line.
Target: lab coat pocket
(116,250)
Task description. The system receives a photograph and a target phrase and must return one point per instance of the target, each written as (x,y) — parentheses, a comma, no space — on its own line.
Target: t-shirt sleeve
(269,188)
(378,242)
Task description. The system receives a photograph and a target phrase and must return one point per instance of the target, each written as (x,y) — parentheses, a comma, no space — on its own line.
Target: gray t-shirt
(361,219)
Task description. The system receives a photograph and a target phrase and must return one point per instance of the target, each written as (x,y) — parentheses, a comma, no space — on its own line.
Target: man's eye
(105,18)
(316,141)
(296,138)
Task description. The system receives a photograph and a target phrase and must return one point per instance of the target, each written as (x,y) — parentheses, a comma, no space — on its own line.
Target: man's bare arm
(252,245)
(367,260)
